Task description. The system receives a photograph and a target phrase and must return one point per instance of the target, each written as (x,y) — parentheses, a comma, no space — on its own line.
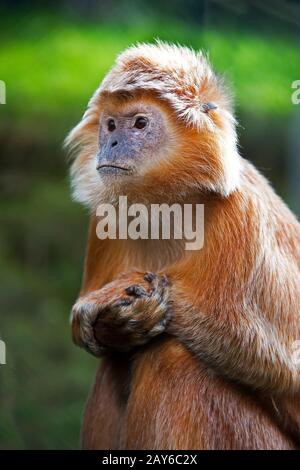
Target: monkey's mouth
(110,169)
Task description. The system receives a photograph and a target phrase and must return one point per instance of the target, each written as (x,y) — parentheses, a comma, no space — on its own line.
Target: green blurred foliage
(51,66)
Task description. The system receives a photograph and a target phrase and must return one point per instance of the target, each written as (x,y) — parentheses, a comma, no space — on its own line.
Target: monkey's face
(124,139)
(159,127)
(131,139)
(138,147)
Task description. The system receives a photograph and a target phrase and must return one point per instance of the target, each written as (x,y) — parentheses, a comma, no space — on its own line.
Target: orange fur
(222,377)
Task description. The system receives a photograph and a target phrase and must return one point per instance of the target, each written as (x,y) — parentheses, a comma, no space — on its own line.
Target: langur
(197,347)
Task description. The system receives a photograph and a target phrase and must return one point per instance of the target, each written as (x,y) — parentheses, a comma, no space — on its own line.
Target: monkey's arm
(243,340)
(237,341)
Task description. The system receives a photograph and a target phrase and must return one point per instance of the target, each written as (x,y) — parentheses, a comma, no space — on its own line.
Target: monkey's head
(159,124)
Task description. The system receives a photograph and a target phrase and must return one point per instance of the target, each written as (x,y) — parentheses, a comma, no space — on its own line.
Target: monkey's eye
(111,125)
(141,122)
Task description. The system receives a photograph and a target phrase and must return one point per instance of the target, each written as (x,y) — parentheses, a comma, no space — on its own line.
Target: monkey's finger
(149,277)
(114,314)
(157,282)
(136,291)
(160,289)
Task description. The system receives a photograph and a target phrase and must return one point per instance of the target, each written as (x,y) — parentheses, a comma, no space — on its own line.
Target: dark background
(51,60)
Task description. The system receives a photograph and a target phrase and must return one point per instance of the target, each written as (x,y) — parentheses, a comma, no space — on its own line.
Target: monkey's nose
(114,143)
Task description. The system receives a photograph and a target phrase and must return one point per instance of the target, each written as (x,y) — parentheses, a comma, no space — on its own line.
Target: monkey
(196,346)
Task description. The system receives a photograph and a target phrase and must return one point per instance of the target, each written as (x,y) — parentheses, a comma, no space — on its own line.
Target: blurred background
(51,60)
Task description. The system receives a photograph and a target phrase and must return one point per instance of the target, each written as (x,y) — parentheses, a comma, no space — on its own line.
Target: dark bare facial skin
(130,139)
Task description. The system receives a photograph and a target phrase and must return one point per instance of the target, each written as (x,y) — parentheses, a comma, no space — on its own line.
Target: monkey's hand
(125,313)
